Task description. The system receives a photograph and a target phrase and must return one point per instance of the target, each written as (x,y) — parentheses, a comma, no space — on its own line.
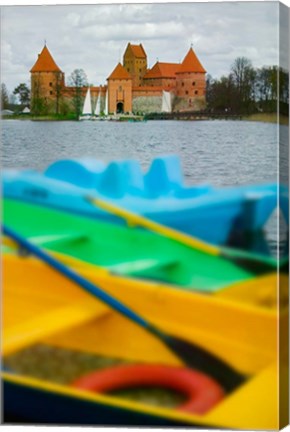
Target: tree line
(246,90)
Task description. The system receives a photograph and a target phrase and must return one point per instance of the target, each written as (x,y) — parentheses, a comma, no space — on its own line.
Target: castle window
(182,84)
(196,92)
(186,92)
(193,83)
(51,92)
(50,84)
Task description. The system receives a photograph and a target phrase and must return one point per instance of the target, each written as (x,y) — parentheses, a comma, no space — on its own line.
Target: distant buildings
(131,87)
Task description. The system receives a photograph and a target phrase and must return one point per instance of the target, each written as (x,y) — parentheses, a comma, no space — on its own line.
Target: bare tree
(78,80)
(58,87)
(38,102)
(243,75)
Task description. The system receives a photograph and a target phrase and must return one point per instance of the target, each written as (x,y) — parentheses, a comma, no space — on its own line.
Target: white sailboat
(98,105)
(106,110)
(87,108)
(166,102)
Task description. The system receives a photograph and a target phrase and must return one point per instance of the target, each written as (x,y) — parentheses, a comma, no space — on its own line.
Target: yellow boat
(42,307)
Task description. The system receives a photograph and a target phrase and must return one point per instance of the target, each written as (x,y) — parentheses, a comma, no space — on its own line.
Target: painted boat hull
(126,251)
(245,312)
(38,316)
(159,195)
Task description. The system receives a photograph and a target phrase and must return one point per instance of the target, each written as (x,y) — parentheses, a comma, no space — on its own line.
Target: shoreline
(258,117)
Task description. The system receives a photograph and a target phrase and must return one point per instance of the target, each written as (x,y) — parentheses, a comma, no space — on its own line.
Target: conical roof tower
(47,84)
(45,62)
(191,64)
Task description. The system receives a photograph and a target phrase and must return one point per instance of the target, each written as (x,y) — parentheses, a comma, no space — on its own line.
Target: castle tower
(47,82)
(119,91)
(190,82)
(135,62)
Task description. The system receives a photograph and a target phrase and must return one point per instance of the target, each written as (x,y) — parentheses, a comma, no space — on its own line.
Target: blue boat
(204,211)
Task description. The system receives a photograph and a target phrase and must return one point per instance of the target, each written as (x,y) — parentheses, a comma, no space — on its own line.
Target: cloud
(121,32)
(94,37)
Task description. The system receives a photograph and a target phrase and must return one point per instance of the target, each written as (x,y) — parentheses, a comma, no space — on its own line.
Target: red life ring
(202,391)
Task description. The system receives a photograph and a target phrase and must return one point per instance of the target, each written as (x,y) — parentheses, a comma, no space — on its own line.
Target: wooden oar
(253,264)
(190,354)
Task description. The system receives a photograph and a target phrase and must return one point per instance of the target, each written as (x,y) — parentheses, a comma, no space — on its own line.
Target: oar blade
(198,358)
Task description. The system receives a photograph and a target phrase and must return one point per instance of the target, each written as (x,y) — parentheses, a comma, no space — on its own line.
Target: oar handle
(75,277)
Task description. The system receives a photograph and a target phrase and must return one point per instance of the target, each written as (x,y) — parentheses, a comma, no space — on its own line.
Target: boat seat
(137,266)
(53,321)
(164,176)
(120,178)
(83,172)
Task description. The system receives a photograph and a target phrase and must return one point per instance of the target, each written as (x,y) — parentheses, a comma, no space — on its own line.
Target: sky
(94,37)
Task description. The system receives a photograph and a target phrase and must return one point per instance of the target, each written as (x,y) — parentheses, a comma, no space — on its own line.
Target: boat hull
(245,313)
(39,300)
(65,184)
(34,405)
(49,309)
(127,251)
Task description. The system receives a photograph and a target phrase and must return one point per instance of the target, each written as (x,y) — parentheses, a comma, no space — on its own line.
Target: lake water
(217,152)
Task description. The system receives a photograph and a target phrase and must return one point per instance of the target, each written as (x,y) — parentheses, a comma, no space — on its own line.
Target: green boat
(131,252)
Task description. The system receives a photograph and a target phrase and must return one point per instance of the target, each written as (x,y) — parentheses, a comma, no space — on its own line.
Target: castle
(130,88)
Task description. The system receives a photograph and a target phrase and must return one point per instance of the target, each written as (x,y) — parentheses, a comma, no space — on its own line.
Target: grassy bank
(264,117)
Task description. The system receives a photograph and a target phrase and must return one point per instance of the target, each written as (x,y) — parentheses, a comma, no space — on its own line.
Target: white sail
(166,102)
(98,105)
(106,111)
(87,108)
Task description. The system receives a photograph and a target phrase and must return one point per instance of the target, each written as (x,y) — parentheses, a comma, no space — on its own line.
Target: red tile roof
(45,62)
(119,73)
(138,50)
(162,70)
(191,63)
